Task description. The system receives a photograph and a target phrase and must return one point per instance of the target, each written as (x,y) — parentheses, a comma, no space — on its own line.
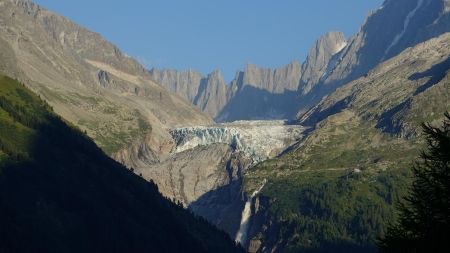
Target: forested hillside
(60,193)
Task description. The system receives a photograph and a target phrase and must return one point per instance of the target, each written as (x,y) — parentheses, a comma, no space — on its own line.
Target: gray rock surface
(211,96)
(206,179)
(204,171)
(319,60)
(397,25)
(91,83)
(398,93)
(207,93)
(264,93)
(186,84)
(275,81)
(255,92)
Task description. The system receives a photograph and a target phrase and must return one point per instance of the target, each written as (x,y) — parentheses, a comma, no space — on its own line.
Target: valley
(312,156)
(205,169)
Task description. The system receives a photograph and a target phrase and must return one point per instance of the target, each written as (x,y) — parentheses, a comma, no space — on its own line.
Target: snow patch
(339,47)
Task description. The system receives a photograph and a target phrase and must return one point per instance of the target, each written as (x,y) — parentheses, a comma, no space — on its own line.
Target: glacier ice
(259,140)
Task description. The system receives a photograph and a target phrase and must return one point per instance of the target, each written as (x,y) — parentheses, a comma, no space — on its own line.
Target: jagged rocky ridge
(255,92)
(260,93)
(365,136)
(208,179)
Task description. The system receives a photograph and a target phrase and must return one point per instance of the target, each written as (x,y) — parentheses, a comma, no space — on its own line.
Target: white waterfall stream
(242,234)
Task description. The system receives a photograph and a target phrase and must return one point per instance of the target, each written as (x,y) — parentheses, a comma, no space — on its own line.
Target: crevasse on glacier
(257,139)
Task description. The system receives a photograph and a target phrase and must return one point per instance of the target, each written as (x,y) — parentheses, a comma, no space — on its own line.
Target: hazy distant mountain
(320,59)
(259,93)
(255,92)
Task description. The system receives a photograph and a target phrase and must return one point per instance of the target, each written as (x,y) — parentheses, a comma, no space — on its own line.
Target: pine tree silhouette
(424,216)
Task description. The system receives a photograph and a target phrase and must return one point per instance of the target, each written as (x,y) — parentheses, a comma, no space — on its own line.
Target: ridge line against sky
(206,35)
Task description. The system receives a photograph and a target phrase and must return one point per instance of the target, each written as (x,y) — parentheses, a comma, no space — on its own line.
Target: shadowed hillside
(60,193)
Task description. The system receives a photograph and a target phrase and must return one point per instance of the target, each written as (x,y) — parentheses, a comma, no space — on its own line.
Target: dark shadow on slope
(201,89)
(61,193)
(342,247)
(319,115)
(221,207)
(436,73)
(391,120)
(252,103)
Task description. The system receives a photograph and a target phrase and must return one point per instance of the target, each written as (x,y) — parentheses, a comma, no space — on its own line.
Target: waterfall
(242,234)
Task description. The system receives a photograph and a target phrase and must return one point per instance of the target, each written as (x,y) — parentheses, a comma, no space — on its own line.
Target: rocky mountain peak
(331,42)
(319,58)
(397,25)
(211,96)
(183,83)
(276,80)
(271,93)
(27,6)
(215,74)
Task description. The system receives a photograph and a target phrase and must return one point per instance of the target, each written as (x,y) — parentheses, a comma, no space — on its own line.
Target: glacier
(259,140)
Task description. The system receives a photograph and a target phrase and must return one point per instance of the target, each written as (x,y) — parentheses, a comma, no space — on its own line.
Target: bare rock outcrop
(320,59)
(91,83)
(207,93)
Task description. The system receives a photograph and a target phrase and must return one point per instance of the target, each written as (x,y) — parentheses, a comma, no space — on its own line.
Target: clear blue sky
(215,34)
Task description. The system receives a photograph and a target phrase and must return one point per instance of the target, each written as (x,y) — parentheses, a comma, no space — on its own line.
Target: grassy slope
(336,190)
(60,193)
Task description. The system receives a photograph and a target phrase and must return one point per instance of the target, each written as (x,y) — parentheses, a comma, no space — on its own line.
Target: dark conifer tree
(424,215)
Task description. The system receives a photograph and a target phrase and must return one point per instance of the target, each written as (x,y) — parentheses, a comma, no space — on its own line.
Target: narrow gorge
(204,171)
(242,234)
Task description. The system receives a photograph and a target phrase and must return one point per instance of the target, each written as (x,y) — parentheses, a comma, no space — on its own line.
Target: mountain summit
(263,93)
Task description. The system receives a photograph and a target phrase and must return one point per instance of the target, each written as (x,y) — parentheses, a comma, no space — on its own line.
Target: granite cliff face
(320,60)
(255,92)
(272,80)
(186,84)
(207,93)
(211,96)
(263,93)
(386,32)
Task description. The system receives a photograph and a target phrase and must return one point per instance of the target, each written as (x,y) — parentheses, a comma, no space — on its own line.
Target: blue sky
(215,34)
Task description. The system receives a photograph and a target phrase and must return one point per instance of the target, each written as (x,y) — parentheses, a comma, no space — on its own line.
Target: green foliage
(424,220)
(334,208)
(337,191)
(60,193)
